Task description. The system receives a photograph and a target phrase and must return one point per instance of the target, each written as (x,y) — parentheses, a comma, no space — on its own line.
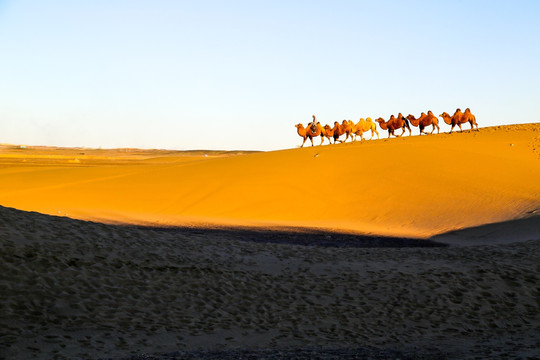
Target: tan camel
(312,130)
(302,132)
(424,121)
(308,133)
(393,124)
(362,126)
(327,132)
(340,129)
(459,118)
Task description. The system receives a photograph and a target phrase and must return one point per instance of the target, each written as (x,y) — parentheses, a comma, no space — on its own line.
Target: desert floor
(420,247)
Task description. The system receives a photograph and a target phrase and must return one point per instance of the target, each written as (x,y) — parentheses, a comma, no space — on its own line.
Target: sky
(240,74)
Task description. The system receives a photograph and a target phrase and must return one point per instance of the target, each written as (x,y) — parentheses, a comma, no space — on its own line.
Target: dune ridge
(415,187)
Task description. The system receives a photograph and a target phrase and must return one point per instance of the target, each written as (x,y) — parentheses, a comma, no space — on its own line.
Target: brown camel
(470,118)
(340,129)
(393,124)
(362,126)
(424,121)
(459,118)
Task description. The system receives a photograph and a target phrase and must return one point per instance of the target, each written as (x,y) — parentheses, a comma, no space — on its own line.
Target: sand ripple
(72,289)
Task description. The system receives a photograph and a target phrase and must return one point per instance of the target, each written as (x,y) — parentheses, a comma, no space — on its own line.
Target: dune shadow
(504,232)
(289,236)
(300,236)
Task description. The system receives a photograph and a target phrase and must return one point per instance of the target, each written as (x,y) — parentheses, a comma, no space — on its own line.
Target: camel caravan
(352,130)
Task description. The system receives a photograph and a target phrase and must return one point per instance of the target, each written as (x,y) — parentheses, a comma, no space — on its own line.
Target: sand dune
(80,290)
(245,271)
(412,187)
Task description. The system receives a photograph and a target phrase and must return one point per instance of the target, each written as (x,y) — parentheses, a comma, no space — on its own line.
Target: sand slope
(79,290)
(413,186)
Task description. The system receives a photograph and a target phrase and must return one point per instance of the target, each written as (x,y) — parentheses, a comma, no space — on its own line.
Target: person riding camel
(313,124)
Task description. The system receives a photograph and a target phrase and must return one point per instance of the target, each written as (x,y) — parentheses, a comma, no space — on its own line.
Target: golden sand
(75,289)
(416,186)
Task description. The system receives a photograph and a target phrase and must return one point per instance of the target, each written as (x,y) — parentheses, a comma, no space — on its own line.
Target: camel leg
(311,139)
(452,129)
(460,129)
(303,142)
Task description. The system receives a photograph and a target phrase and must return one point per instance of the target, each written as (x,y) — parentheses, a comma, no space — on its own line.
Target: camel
(459,118)
(313,125)
(362,126)
(340,129)
(470,118)
(312,130)
(393,124)
(327,132)
(302,132)
(424,121)
(308,133)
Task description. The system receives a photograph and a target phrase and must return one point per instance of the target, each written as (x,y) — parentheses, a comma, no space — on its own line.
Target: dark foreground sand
(72,289)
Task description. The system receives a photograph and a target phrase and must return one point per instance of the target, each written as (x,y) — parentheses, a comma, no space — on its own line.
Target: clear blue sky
(241,74)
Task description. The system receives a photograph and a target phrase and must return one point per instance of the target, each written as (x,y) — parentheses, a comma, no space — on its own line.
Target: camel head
(382,123)
(447,118)
(299,126)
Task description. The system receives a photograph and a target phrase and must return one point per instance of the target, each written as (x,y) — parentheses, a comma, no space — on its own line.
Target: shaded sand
(416,186)
(74,289)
